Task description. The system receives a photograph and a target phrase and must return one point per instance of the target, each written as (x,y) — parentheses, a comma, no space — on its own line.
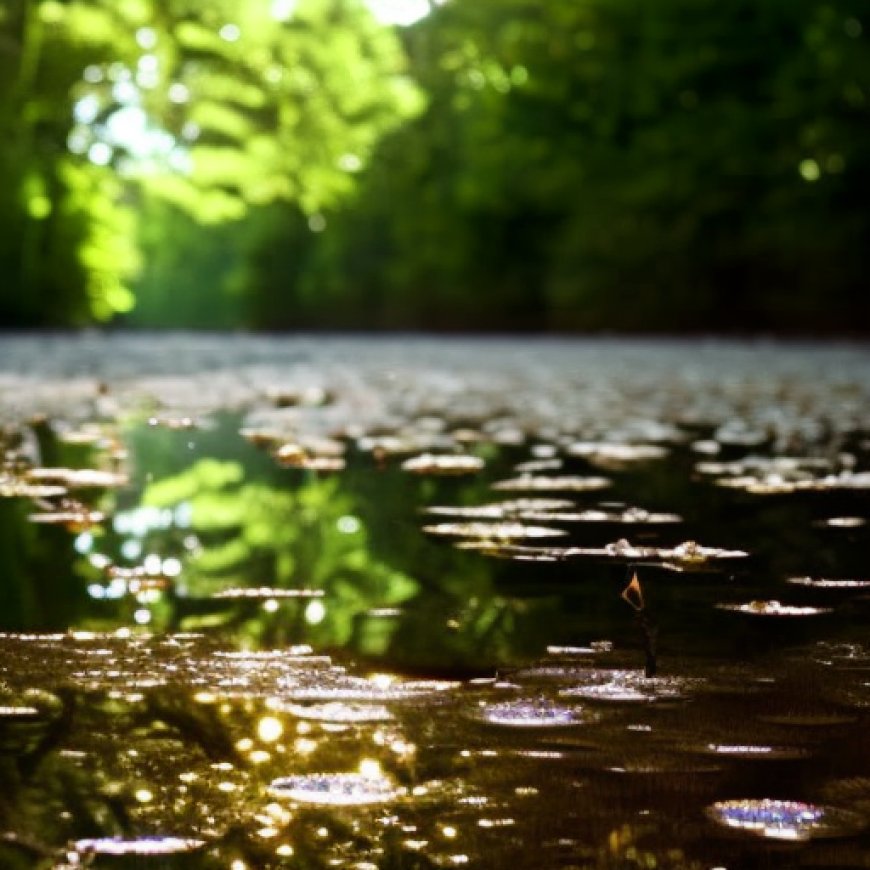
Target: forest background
(511,165)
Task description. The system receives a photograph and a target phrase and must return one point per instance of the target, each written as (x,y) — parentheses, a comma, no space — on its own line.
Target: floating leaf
(536,713)
(843,522)
(11,488)
(506,531)
(752,751)
(141,846)
(502,509)
(785,820)
(339,712)
(629,516)
(335,789)
(542,483)
(76,519)
(773,608)
(613,455)
(828,583)
(78,478)
(446,464)
(630,686)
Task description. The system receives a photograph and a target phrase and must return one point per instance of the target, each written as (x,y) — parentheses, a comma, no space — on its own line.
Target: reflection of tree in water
(321,536)
(255,535)
(38,592)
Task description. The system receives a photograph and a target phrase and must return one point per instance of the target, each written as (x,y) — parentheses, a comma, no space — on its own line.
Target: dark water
(196,640)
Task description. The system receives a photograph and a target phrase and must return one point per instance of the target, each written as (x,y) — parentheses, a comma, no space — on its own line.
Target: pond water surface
(531,605)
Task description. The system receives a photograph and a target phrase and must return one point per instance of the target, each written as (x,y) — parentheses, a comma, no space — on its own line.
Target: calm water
(535,623)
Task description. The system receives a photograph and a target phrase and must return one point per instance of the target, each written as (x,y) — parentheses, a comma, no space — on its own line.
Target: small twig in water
(633,595)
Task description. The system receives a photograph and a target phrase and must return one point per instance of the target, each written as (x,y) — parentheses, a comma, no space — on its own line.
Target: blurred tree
(580,165)
(714,195)
(107,105)
(607,164)
(190,274)
(65,244)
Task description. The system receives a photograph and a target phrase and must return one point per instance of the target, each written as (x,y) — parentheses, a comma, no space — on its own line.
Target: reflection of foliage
(253,534)
(38,591)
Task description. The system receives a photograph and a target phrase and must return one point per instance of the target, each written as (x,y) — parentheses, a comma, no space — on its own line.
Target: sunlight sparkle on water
(142,846)
(773,608)
(629,687)
(538,713)
(335,789)
(269,729)
(784,820)
(336,711)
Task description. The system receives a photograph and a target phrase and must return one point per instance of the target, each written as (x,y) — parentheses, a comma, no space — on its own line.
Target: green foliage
(606,164)
(108,107)
(510,164)
(65,249)
(254,534)
(189,278)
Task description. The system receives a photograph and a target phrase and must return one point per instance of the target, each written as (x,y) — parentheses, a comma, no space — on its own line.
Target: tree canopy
(118,110)
(499,164)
